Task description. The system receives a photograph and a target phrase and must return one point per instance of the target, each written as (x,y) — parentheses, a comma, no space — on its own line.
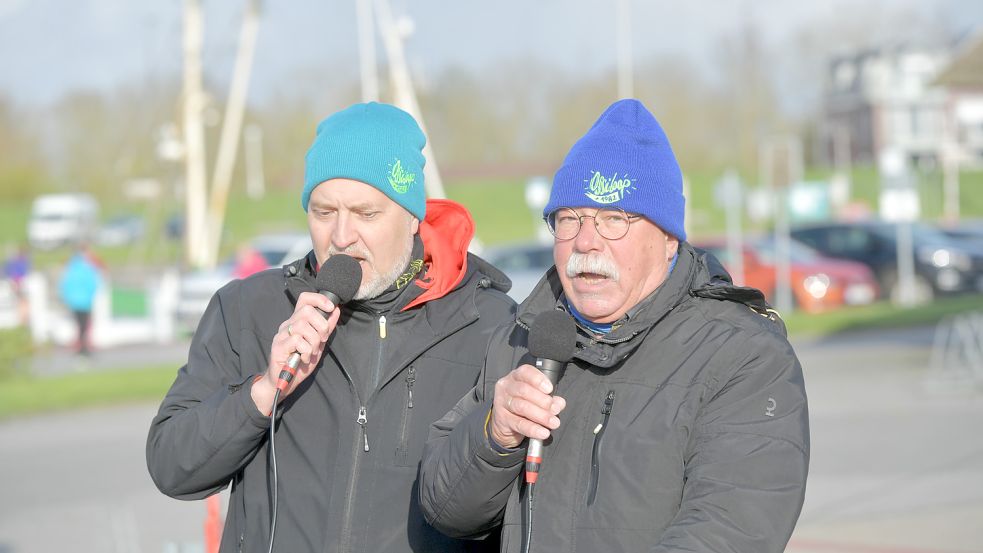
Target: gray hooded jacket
(686,429)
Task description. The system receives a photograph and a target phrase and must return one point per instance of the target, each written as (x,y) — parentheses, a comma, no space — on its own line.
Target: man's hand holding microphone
(300,340)
(523,405)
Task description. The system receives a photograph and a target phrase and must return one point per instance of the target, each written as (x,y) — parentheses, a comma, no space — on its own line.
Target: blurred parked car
(198,287)
(942,265)
(121,230)
(969,231)
(62,219)
(524,263)
(818,283)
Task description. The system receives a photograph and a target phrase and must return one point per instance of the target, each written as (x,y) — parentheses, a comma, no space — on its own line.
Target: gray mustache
(353,251)
(596,264)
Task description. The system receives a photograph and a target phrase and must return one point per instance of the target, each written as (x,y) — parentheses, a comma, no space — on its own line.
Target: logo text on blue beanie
(608,190)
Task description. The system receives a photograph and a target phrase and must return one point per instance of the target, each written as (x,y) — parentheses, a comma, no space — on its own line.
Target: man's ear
(414,226)
(672,246)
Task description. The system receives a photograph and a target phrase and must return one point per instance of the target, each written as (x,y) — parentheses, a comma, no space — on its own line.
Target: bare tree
(22,167)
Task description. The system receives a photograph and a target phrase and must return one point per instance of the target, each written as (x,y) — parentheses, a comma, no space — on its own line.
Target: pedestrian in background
(249,262)
(16,268)
(77,289)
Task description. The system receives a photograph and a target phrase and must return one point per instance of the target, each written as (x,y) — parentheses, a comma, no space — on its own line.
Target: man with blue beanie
(683,409)
(374,373)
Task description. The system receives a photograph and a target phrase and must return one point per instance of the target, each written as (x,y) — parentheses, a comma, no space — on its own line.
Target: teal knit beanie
(378,144)
(625,160)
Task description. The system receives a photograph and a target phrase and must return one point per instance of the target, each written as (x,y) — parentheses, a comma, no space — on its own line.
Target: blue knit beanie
(378,144)
(625,161)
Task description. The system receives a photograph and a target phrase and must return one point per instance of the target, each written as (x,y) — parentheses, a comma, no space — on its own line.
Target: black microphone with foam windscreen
(552,340)
(338,280)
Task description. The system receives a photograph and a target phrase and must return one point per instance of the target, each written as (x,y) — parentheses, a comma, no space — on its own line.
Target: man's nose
(343,234)
(588,239)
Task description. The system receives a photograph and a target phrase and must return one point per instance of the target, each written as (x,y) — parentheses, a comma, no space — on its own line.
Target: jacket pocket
(595,453)
(403,447)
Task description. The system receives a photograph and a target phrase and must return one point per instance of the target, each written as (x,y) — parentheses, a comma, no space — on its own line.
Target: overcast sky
(51,47)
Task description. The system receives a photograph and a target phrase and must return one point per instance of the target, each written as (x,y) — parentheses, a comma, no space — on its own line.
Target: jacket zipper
(595,454)
(401,452)
(377,371)
(410,380)
(361,419)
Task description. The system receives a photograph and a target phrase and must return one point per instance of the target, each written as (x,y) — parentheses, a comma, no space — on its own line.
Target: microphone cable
(529,509)
(276,398)
(286,375)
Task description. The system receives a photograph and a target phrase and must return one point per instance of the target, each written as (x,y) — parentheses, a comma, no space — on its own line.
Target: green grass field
(498,207)
(879,315)
(24,395)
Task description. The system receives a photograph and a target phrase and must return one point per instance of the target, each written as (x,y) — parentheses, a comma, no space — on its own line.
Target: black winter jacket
(347,464)
(686,429)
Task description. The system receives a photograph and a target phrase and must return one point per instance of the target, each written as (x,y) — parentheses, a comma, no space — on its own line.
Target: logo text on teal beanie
(607,190)
(399,178)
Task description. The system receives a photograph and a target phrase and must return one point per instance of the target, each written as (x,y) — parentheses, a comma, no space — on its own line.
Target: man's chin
(594,307)
(370,287)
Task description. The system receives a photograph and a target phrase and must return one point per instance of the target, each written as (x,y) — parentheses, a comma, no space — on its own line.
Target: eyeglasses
(611,222)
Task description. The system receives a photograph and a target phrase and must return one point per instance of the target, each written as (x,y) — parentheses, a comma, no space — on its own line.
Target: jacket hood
(446,232)
(718,284)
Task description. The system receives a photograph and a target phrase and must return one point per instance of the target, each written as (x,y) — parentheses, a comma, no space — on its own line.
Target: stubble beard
(377,283)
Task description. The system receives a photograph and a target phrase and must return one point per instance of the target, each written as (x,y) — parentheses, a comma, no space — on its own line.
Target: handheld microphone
(338,280)
(552,340)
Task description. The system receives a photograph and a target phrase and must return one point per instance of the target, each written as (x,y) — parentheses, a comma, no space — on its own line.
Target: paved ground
(897,466)
(77,482)
(897,460)
(59,360)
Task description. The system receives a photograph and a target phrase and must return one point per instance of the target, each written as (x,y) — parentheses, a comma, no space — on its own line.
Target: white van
(59,219)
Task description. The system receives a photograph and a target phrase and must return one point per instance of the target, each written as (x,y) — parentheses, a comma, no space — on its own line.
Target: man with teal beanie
(374,373)
(680,424)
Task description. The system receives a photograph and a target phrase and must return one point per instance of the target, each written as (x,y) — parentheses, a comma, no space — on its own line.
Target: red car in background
(818,283)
